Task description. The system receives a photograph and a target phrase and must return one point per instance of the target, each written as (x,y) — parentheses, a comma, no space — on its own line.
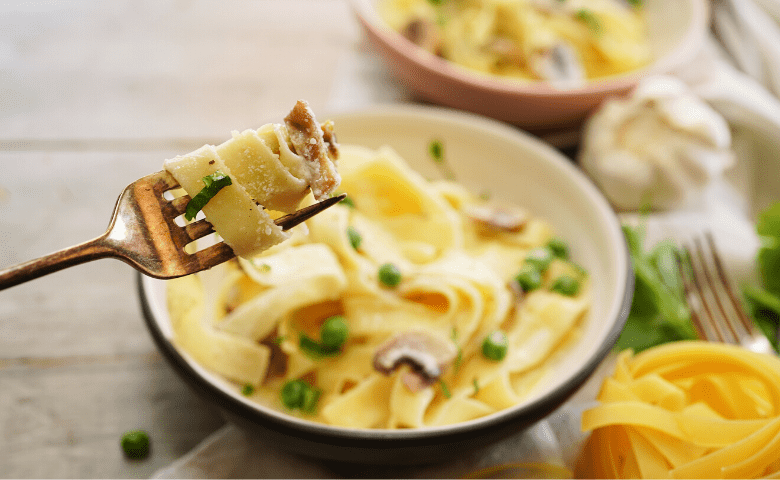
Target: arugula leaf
(763,302)
(768,229)
(659,313)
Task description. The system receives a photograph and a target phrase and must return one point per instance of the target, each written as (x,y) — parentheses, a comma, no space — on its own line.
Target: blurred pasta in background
(563,42)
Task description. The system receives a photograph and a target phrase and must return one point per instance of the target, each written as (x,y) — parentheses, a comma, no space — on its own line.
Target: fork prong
(289,221)
(198,229)
(735,304)
(693,295)
(179,204)
(213,255)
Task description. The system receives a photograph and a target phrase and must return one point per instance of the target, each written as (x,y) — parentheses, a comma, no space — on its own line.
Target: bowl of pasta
(473,281)
(542,65)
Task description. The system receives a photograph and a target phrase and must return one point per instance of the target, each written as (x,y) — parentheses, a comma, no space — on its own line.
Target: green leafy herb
(247,389)
(213,184)
(763,302)
(566,285)
(135,444)
(659,313)
(476,385)
(445,390)
(559,248)
(590,19)
(348,202)
(316,349)
(636,3)
(436,151)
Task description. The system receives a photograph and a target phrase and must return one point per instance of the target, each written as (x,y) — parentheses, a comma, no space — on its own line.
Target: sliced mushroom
(428,355)
(307,136)
(506,48)
(425,34)
(559,64)
(496,216)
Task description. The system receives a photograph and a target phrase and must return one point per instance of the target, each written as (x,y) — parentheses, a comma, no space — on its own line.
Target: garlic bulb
(658,147)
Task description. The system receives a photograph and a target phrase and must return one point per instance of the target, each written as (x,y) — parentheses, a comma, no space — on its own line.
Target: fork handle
(54,262)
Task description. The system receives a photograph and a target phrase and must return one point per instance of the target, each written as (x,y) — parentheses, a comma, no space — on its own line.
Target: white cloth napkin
(736,74)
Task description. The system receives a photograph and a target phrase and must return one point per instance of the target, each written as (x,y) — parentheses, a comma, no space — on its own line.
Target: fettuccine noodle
(551,40)
(686,410)
(455,289)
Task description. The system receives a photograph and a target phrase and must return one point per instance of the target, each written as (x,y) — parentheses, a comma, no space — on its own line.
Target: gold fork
(716,311)
(144,234)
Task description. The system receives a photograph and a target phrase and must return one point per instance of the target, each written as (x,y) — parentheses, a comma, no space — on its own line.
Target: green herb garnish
(436,152)
(348,202)
(589,18)
(762,302)
(213,184)
(566,285)
(476,385)
(445,390)
(247,389)
(659,312)
(316,349)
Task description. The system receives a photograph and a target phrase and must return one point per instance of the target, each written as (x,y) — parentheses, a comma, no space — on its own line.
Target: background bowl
(485,155)
(677,30)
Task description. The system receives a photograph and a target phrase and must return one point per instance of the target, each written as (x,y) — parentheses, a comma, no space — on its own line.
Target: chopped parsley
(213,184)
(590,19)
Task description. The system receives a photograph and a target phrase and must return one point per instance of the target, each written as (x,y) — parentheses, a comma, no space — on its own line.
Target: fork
(716,311)
(144,234)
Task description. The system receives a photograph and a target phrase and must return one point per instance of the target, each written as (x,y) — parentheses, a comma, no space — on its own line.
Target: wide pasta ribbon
(686,410)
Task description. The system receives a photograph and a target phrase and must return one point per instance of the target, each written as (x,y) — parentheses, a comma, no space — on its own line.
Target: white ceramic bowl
(677,30)
(513,166)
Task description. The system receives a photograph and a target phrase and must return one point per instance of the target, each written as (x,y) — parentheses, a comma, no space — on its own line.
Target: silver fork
(716,311)
(144,234)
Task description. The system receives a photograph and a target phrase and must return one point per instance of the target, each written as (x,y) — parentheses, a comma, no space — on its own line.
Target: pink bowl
(536,106)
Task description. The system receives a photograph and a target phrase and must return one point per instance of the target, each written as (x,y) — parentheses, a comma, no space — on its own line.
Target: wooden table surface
(93,96)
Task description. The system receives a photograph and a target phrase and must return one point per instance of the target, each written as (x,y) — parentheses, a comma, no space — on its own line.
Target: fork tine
(716,309)
(213,255)
(198,229)
(694,297)
(744,322)
(289,221)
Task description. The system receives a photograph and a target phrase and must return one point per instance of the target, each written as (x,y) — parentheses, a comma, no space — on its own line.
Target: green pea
(334,332)
(529,278)
(559,248)
(539,257)
(135,444)
(292,393)
(389,275)
(355,238)
(566,285)
(495,346)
